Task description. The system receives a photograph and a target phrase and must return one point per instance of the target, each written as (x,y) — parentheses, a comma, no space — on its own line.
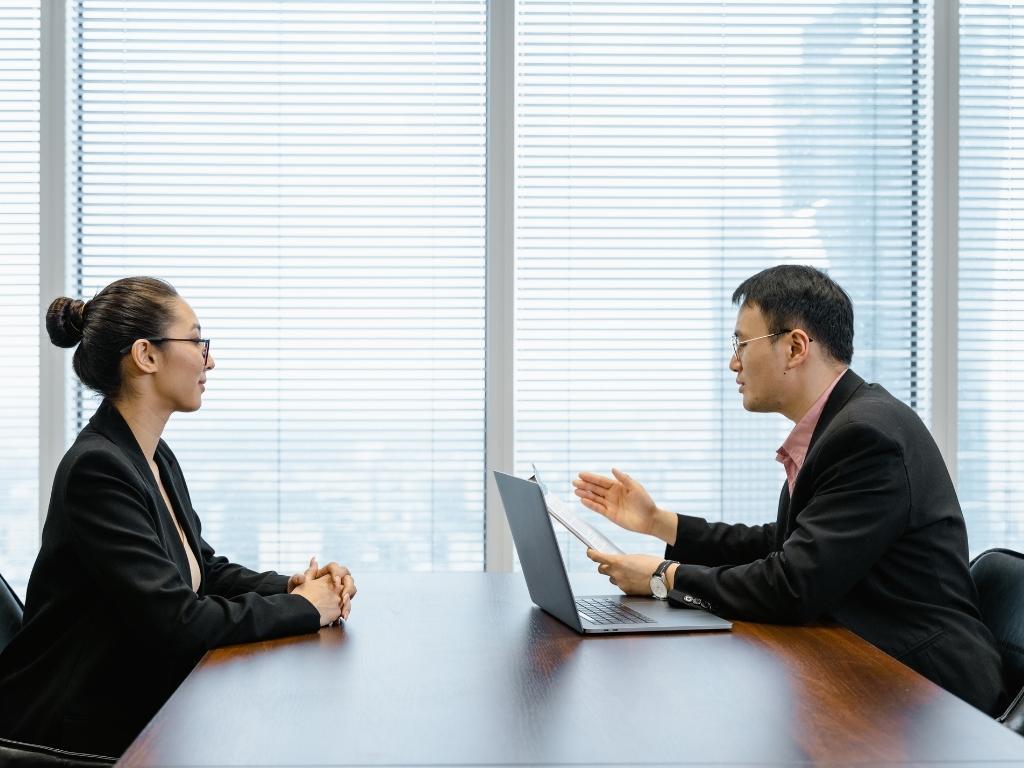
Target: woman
(125,595)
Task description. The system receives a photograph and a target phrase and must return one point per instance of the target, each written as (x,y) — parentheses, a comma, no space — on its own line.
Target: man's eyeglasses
(737,345)
(203,343)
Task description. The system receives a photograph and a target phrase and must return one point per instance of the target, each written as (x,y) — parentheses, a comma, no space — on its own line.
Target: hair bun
(64,321)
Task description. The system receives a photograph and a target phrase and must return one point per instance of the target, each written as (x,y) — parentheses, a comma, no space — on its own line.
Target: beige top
(193,564)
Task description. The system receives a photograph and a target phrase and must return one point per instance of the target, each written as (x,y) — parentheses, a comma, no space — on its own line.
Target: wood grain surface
(462,669)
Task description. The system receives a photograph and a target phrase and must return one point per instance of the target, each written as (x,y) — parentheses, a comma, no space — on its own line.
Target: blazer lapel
(782,521)
(109,422)
(173,484)
(844,390)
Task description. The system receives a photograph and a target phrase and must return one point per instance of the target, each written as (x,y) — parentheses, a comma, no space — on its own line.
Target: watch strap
(660,570)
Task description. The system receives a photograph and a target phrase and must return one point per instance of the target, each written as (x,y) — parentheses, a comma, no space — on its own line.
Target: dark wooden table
(461,669)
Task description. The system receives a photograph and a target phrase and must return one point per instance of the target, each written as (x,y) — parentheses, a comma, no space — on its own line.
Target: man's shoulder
(872,408)
(873,401)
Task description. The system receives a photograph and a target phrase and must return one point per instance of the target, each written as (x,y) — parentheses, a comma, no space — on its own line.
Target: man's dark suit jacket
(872,538)
(112,625)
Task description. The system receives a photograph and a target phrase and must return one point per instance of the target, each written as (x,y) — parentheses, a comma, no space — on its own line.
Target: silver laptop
(549,583)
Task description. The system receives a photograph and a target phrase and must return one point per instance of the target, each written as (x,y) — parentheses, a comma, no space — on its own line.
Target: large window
(991,279)
(19,289)
(311,177)
(664,152)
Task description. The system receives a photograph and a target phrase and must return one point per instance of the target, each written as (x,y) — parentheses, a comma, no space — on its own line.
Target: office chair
(999,576)
(11,611)
(16,753)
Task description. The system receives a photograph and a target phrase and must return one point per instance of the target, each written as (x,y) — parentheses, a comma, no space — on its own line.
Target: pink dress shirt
(791,454)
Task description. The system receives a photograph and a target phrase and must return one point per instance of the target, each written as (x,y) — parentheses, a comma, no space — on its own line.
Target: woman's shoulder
(95,473)
(92,451)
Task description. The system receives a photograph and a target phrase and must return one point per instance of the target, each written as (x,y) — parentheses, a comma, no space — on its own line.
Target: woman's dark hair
(126,310)
(792,296)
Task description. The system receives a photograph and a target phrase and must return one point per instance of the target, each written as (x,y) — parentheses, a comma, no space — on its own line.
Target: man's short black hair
(794,296)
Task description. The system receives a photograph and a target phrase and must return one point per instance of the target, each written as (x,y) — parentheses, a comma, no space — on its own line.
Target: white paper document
(572,522)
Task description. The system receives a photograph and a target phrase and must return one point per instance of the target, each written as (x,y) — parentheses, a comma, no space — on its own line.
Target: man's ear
(799,347)
(143,355)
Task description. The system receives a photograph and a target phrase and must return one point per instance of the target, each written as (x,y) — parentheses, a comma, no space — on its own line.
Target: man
(869,530)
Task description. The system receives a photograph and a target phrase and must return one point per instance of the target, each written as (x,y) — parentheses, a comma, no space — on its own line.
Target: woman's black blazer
(112,625)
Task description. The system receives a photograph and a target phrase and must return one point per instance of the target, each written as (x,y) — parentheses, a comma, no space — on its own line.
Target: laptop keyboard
(599,610)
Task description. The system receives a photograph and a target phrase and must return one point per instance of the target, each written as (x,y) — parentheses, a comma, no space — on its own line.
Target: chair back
(17,753)
(999,576)
(11,612)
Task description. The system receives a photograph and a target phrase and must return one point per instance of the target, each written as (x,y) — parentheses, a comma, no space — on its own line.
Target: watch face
(658,588)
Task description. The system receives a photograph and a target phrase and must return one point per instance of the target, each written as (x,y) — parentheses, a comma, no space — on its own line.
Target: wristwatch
(659,587)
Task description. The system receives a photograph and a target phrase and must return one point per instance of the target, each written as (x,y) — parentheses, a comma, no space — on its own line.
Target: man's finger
(599,557)
(621,476)
(595,479)
(592,488)
(585,493)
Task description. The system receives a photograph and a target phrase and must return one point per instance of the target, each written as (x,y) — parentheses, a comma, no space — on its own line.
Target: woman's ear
(143,356)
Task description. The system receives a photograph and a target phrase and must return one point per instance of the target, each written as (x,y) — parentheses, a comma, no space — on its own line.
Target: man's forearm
(666,525)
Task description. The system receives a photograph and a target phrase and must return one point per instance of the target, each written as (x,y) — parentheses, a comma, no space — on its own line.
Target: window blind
(311,177)
(19,289)
(665,152)
(991,265)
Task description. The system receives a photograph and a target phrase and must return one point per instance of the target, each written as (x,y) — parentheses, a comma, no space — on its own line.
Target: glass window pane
(665,152)
(19,290)
(990,428)
(311,177)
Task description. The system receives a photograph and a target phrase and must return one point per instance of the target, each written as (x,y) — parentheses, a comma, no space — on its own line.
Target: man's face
(759,364)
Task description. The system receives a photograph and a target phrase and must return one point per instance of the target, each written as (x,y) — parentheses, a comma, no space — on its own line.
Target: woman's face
(181,379)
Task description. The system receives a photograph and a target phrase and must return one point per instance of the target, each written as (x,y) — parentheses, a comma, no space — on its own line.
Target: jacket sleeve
(229,579)
(115,536)
(699,542)
(859,505)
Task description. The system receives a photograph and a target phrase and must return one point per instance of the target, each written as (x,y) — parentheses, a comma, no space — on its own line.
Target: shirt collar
(799,440)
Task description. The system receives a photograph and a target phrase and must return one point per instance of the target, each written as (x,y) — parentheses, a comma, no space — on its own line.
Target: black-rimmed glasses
(204,343)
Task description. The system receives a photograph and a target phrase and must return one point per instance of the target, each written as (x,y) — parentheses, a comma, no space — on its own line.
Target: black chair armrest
(17,754)
(1013,717)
